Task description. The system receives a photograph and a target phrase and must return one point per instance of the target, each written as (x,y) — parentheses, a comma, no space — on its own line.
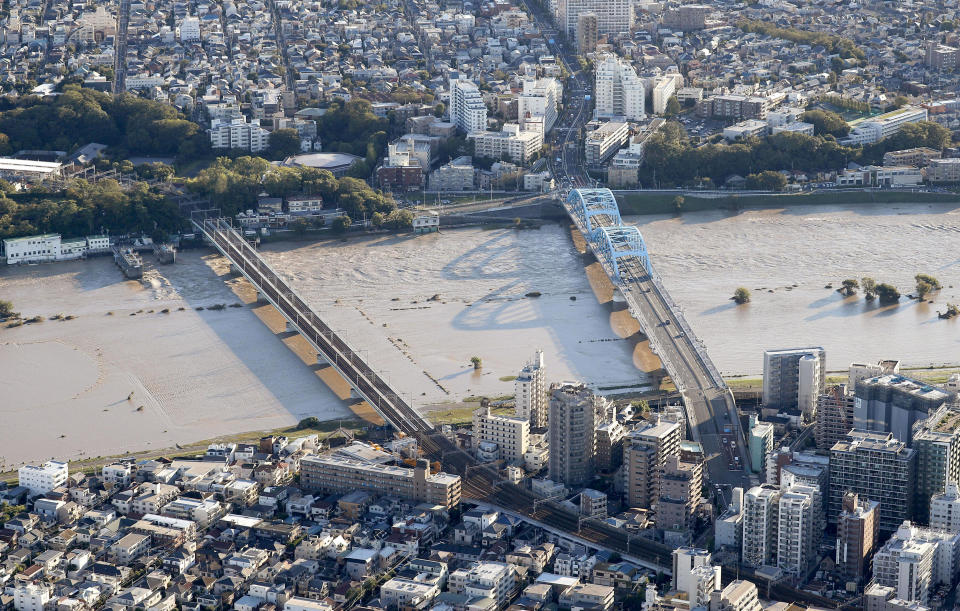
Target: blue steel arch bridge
(623,253)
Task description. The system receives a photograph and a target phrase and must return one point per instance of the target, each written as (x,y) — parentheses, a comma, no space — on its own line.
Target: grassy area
(507,378)
(460,414)
(659,203)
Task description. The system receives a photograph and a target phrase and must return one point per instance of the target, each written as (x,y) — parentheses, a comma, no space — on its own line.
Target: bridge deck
(375,390)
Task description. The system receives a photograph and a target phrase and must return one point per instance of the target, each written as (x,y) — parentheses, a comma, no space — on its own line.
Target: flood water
(704,256)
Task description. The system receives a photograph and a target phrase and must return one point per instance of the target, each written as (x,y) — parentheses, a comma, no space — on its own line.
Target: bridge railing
(344,358)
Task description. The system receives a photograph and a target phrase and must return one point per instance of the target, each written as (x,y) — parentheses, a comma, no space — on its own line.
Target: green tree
(869,287)
(767,180)
(673,107)
(850,286)
(826,122)
(284,143)
(476,361)
(6,308)
(741,295)
(376,219)
(933,282)
(678,203)
(923,288)
(900,101)
(887,293)
(341,224)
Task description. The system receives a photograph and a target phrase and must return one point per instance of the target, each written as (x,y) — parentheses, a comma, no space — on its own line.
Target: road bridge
(710,408)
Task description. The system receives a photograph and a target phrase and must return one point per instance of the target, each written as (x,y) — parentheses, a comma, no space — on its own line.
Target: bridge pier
(354,394)
(291,328)
(322,360)
(261,297)
(234,269)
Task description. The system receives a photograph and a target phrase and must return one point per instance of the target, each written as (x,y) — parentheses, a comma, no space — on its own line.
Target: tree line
(671,159)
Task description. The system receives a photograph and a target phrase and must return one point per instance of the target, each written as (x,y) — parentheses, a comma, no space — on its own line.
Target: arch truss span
(616,243)
(589,203)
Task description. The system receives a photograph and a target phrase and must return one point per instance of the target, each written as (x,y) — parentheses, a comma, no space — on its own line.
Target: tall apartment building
(937,442)
(619,91)
(511,143)
(613,16)
(510,434)
(190,29)
(793,379)
(894,404)
(645,452)
(493,580)
(603,143)
(467,108)
(680,485)
(41,479)
(237,133)
(875,466)
(760,514)
(796,533)
(859,372)
(760,443)
(941,57)
(663,88)
(587,33)
(945,509)
(573,422)
(30,596)
(739,595)
(736,107)
(609,453)
(694,575)
(687,17)
(914,560)
(834,416)
(539,98)
(333,474)
(530,389)
(816,477)
(856,535)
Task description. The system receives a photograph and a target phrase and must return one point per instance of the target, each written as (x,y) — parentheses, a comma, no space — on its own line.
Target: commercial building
(856,535)
(858,372)
(613,16)
(937,442)
(919,156)
(333,474)
(834,416)
(587,32)
(914,560)
(43,478)
(458,175)
(602,143)
(794,378)
(520,146)
(619,91)
(645,452)
(760,514)
(694,575)
(574,413)
(880,176)
(945,509)
(885,125)
(680,486)
(510,435)
(875,466)
(17,170)
(467,108)
(760,443)
(894,404)
(530,392)
(751,128)
(539,98)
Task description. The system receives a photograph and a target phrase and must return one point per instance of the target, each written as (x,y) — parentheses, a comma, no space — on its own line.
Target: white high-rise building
(539,98)
(190,29)
(531,392)
(663,88)
(613,16)
(44,478)
(619,91)
(760,513)
(945,509)
(694,575)
(915,559)
(237,133)
(795,530)
(30,597)
(510,434)
(467,109)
